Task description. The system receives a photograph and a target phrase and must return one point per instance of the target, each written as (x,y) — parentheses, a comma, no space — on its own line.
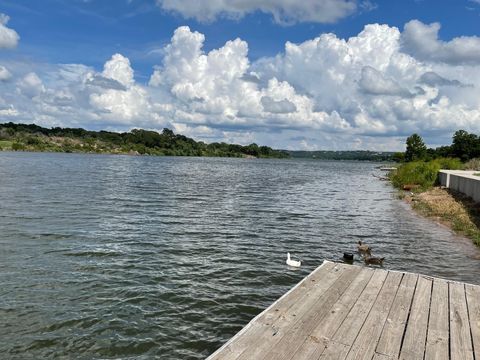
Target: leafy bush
(422,173)
(31,140)
(473,164)
(450,163)
(16,146)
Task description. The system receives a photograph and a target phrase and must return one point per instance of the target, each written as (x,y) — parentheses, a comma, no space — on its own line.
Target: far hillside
(23,137)
(362,155)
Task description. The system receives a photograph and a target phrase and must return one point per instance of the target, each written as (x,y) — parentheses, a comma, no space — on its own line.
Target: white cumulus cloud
(216,89)
(30,85)
(4,73)
(119,97)
(206,83)
(8,37)
(118,68)
(421,40)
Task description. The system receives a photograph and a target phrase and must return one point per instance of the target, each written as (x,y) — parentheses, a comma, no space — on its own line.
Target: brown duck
(373,260)
(364,248)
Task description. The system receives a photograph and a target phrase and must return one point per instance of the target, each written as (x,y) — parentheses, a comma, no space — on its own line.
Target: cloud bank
(283,11)
(365,92)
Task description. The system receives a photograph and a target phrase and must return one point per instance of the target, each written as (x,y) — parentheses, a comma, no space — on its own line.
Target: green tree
(443,151)
(416,149)
(465,146)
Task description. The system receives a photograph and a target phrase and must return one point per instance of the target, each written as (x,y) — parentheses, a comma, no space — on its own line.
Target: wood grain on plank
(352,324)
(335,351)
(367,339)
(473,302)
(391,338)
(438,327)
(287,345)
(413,346)
(460,338)
(378,356)
(319,338)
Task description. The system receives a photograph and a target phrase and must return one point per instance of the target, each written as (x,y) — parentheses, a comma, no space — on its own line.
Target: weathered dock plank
(318,340)
(265,342)
(348,331)
(335,351)
(461,341)
(285,346)
(342,311)
(413,346)
(391,339)
(379,356)
(367,339)
(438,326)
(473,302)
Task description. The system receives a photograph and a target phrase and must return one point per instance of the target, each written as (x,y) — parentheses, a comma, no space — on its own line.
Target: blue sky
(391,99)
(88,32)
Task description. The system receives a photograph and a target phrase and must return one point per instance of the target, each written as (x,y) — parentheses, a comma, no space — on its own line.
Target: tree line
(465,146)
(31,137)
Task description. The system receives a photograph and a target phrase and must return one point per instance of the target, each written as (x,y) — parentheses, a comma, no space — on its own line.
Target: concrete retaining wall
(462,181)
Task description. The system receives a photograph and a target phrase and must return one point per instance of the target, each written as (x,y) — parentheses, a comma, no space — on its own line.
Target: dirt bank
(450,208)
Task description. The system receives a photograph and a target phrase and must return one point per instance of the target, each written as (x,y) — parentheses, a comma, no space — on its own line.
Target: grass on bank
(6,145)
(473,164)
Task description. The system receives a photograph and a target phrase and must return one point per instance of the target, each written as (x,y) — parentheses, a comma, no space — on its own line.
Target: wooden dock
(344,311)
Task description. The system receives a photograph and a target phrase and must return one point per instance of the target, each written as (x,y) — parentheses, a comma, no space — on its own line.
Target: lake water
(107,256)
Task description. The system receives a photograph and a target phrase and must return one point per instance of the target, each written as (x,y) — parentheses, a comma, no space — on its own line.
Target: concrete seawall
(462,181)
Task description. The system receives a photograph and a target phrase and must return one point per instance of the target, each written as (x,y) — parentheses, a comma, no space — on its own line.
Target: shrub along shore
(417,180)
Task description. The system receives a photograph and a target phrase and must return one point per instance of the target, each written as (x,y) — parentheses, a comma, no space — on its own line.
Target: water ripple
(141,257)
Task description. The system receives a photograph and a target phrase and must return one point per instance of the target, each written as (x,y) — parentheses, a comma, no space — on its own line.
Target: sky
(299,75)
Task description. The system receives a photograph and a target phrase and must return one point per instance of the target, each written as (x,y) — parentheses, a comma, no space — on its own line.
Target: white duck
(293,263)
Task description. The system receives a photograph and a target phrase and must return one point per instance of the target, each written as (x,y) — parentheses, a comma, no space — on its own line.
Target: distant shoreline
(121,154)
(189,156)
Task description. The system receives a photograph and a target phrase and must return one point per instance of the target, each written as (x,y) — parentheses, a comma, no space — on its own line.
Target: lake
(105,256)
